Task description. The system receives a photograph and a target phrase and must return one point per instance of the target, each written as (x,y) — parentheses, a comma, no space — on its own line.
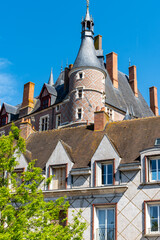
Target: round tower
(87,78)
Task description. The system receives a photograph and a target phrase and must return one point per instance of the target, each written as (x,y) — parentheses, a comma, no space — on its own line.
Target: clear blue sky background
(37,35)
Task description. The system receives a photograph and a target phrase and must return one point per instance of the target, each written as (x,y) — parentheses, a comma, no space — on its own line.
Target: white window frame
(58,108)
(110,112)
(149,168)
(40,122)
(51,171)
(77,93)
(81,113)
(96,219)
(57,116)
(78,75)
(98,171)
(148,206)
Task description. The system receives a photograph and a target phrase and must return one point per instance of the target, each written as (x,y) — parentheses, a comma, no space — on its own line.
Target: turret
(87,77)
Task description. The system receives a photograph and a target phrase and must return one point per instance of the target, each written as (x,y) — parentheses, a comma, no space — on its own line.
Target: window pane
(104,172)
(110,217)
(153,170)
(154,225)
(101,218)
(154,218)
(110,174)
(153,212)
(110,224)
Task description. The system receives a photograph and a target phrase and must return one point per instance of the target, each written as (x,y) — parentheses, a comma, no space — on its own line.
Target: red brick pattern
(93,89)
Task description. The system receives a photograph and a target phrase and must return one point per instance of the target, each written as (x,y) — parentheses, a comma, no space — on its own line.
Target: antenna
(129,62)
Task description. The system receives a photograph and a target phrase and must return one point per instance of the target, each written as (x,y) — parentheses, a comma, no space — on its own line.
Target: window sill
(150,183)
(152,235)
(113,189)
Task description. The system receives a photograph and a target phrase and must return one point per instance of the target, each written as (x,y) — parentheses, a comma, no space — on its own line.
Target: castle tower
(87,77)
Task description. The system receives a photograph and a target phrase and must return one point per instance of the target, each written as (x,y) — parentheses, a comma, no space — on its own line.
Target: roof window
(157,142)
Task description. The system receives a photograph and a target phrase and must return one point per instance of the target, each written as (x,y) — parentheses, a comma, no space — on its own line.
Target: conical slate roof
(51,81)
(87,55)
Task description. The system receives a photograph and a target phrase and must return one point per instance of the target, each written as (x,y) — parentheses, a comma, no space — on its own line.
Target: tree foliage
(24,214)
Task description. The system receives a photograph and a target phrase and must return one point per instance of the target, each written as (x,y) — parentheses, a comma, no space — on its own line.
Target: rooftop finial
(87,3)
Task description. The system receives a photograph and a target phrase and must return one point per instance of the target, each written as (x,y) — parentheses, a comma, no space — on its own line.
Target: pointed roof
(51,81)
(87,17)
(87,55)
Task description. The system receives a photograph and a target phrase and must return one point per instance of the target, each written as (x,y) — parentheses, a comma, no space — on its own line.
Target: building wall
(93,85)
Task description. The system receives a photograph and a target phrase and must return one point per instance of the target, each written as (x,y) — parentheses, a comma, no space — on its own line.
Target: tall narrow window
(44,123)
(58,120)
(106,224)
(79,113)
(80,93)
(45,103)
(155,218)
(107,174)
(59,177)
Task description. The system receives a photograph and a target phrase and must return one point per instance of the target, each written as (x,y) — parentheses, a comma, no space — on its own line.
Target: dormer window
(155,170)
(4,119)
(157,142)
(45,102)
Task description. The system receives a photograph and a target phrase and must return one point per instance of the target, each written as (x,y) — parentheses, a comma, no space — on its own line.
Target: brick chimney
(154,100)
(133,79)
(98,42)
(70,66)
(100,119)
(26,128)
(28,95)
(66,79)
(112,67)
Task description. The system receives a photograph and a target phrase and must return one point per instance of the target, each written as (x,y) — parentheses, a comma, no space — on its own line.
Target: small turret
(86,78)
(87,25)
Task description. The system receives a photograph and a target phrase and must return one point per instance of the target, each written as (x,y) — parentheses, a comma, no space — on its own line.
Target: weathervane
(87,3)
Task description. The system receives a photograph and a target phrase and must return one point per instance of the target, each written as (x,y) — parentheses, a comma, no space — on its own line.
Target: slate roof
(129,138)
(123,98)
(10,109)
(51,89)
(87,55)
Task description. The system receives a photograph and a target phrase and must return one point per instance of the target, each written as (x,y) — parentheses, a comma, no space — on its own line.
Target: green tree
(23,212)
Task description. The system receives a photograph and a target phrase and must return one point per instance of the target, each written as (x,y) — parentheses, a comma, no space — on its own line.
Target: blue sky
(37,35)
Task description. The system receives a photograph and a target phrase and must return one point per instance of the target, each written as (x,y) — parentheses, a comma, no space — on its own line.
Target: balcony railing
(105,234)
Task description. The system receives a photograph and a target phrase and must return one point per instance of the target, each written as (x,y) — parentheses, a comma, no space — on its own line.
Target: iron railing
(105,234)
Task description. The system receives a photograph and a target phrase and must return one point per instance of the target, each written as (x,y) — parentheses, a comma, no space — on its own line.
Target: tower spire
(51,81)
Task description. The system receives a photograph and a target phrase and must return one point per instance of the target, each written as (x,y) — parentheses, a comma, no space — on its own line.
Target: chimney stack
(26,128)
(154,100)
(28,96)
(133,79)
(98,42)
(100,119)
(112,67)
